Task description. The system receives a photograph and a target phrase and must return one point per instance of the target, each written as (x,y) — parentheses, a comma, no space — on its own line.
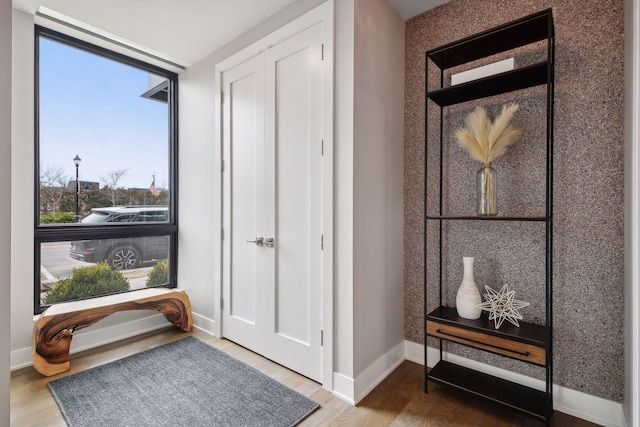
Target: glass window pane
(71,270)
(103,135)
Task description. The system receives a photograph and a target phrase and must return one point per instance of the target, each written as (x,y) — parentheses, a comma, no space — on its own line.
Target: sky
(91,107)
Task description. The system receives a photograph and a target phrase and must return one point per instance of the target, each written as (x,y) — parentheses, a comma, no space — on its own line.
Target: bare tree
(110,182)
(53,185)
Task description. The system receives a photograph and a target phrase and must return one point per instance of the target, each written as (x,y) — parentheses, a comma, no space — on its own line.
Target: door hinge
(221,303)
(322,242)
(321,337)
(222,234)
(322,55)
(322,147)
(221,97)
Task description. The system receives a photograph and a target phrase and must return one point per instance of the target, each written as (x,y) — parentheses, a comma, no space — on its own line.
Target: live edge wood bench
(53,331)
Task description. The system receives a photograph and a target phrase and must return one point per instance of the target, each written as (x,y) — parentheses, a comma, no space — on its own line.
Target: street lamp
(76,161)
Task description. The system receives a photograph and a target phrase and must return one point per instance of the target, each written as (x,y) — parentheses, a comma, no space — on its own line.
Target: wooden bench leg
(53,331)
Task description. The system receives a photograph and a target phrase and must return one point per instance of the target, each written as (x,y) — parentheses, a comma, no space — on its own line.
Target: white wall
(378,184)
(22,186)
(343,191)
(199,198)
(632,213)
(5,208)
(369,171)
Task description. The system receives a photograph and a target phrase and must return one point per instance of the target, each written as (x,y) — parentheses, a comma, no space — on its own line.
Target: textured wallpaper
(588,200)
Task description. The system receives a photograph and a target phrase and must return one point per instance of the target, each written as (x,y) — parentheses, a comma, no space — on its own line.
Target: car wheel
(124,258)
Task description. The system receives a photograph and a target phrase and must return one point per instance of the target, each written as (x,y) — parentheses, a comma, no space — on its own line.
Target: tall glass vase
(487,195)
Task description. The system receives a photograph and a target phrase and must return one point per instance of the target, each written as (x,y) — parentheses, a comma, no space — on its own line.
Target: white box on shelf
(484,71)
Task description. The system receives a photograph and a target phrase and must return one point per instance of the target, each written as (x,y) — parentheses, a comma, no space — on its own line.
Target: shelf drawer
(506,347)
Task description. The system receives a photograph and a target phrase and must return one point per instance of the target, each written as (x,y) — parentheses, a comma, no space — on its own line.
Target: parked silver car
(124,253)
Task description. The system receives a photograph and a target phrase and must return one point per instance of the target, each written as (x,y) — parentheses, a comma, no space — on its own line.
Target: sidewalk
(137,277)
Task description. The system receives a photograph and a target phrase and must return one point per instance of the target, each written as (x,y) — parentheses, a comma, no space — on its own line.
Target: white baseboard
(572,402)
(414,352)
(204,324)
(353,391)
(21,358)
(378,371)
(344,388)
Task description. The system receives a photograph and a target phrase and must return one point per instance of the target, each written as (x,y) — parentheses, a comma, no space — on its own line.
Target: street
(56,263)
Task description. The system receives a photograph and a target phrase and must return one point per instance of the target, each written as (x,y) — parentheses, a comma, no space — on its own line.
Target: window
(106,169)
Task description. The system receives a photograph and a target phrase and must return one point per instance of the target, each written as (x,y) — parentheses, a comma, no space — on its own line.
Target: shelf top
(489,218)
(527,332)
(522,78)
(529,29)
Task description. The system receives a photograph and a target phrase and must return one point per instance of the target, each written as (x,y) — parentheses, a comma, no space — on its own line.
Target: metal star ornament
(502,306)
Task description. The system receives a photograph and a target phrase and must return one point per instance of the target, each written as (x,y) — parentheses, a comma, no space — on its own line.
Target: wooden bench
(53,331)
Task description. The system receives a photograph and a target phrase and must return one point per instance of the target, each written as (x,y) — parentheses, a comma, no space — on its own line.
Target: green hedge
(57,218)
(87,282)
(159,275)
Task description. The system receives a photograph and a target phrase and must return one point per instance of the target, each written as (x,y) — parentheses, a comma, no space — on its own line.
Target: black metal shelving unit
(529,342)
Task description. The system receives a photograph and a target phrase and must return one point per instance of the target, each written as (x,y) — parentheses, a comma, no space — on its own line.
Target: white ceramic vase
(468,296)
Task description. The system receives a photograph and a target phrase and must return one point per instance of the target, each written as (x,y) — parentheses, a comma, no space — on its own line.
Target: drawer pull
(521,353)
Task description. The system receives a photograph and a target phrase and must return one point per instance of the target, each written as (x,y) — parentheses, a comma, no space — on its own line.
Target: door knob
(259,241)
(269,242)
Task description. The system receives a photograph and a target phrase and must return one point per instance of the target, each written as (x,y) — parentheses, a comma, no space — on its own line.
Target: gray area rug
(184,383)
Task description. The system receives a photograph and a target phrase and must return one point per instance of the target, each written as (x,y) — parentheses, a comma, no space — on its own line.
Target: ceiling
(410,8)
(203,26)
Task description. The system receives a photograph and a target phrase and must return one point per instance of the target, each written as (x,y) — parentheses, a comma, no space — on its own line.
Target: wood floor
(398,401)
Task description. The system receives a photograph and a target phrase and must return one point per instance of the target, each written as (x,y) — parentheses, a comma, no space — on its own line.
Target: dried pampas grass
(484,140)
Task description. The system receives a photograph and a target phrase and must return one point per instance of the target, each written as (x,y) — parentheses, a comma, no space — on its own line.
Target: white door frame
(323,14)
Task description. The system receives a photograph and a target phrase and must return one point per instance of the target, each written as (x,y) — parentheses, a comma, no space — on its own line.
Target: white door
(243,139)
(272,138)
